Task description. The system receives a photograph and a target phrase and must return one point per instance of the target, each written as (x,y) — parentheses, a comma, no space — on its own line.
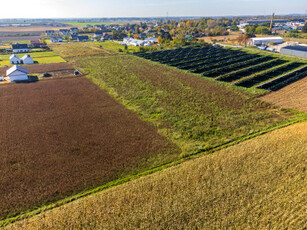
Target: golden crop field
(258,184)
(292,96)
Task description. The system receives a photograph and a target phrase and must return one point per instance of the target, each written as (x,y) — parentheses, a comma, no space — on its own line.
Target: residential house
(50,32)
(74,29)
(36,44)
(56,39)
(143,36)
(97,34)
(82,38)
(106,37)
(64,31)
(152,40)
(20,48)
(17,73)
(15,59)
(73,36)
(27,59)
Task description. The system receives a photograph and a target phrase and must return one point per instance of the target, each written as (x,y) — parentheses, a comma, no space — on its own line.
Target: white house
(50,32)
(14,59)
(266,40)
(152,40)
(20,48)
(27,59)
(56,39)
(17,73)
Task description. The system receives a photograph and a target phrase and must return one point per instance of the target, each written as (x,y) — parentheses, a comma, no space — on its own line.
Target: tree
(304,30)
(262,30)
(242,39)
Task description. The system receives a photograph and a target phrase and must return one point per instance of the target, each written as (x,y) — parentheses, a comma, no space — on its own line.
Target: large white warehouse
(266,40)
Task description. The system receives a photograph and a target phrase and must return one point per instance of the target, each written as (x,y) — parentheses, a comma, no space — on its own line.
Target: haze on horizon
(146,8)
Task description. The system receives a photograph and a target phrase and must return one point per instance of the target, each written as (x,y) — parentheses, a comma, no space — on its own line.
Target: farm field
(237,67)
(72,50)
(257,184)
(292,96)
(19,39)
(64,136)
(196,114)
(115,46)
(38,57)
(28,29)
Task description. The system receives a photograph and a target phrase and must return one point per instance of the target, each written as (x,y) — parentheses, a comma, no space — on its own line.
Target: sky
(146,8)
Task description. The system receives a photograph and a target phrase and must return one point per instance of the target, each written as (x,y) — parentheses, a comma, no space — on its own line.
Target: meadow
(62,137)
(257,184)
(197,114)
(73,50)
(115,46)
(44,57)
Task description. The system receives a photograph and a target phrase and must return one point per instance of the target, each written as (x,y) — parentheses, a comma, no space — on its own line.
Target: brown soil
(293,96)
(59,137)
(28,29)
(19,38)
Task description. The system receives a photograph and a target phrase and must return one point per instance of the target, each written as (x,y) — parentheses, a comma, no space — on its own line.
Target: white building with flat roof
(265,40)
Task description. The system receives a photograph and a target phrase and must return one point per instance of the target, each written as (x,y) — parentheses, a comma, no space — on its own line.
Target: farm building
(299,50)
(17,73)
(27,59)
(82,38)
(15,59)
(20,48)
(266,40)
(49,32)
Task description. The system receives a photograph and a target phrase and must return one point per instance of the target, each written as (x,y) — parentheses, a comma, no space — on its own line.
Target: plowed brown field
(293,96)
(63,136)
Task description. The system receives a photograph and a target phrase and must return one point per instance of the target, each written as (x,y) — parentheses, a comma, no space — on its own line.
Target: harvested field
(293,96)
(41,68)
(18,38)
(195,113)
(63,136)
(26,29)
(258,184)
(70,50)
